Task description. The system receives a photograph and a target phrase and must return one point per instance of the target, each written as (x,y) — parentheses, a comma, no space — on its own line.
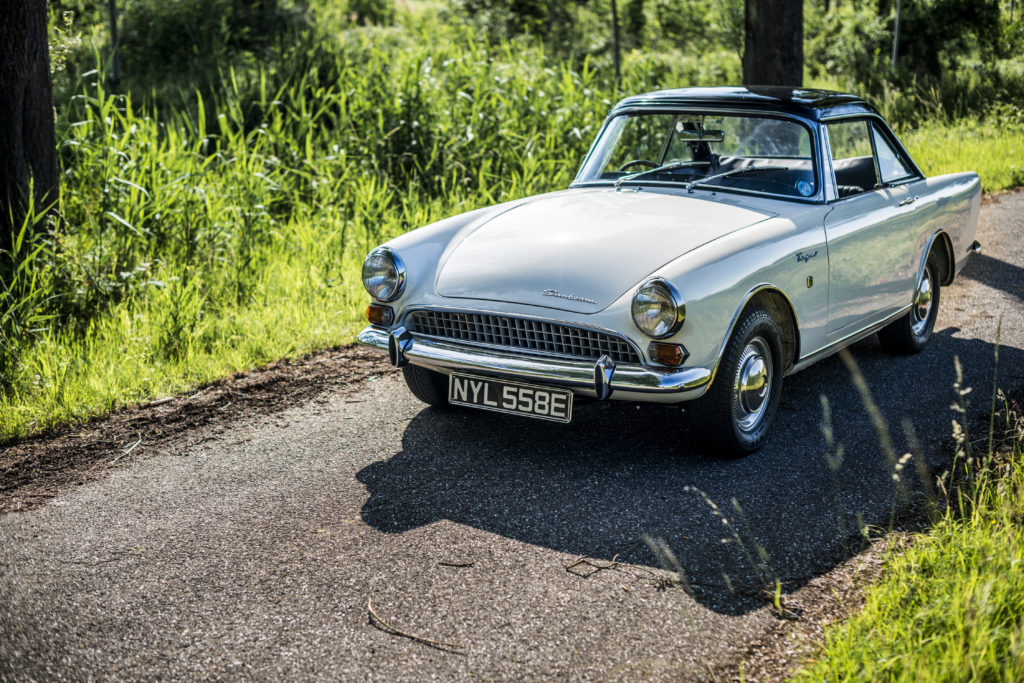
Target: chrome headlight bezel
(395,280)
(672,313)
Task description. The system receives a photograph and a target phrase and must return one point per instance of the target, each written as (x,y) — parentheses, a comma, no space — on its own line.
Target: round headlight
(383,274)
(658,310)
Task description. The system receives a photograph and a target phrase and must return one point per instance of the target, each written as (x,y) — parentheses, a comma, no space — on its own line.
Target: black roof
(810,104)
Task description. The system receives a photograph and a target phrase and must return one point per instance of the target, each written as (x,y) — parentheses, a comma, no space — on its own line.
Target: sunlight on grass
(995,152)
(230,233)
(951,606)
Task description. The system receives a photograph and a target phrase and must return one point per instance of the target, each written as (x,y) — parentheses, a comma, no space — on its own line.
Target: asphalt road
(254,554)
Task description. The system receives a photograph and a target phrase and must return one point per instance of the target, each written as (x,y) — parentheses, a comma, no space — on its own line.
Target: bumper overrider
(598,378)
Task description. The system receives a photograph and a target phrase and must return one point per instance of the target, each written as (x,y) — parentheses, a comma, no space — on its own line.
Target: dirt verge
(40,467)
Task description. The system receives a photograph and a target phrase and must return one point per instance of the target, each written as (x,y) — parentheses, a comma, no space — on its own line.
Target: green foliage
(994,148)
(82,12)
(956,57)
(372,12)
(698,25)
(698,29)
(505,19)
(951,606)
(230,232)
(1011,39)
(190,42)
(634,23)
(849,44)
(936,35)
(24,295)
(216,224)
(62,39)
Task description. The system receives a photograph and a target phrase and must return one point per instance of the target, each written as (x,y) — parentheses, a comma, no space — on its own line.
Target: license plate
(517,398)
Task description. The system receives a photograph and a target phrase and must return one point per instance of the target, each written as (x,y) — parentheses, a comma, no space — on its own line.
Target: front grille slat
(522,334)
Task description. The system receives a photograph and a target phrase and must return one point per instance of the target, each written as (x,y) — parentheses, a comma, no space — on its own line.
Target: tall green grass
(951,606)
(993,148)
(195,240)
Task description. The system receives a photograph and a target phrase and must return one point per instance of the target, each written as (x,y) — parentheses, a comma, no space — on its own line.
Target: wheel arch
(941,244)
(775,301)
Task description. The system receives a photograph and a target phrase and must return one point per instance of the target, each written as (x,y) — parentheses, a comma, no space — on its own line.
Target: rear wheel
(426,385)
(733,418)
(910,333)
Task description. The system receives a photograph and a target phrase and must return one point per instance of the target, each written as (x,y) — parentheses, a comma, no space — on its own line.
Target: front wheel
(910,333)
(733,418)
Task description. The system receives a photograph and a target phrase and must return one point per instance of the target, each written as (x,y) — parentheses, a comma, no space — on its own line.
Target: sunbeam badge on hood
(570,297)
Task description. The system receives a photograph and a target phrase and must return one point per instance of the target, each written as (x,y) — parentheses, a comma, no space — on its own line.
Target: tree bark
(773,49)
(616,57)
(28,151)
(115,66)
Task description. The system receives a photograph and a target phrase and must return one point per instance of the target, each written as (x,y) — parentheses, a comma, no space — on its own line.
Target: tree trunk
(115,66)
(28,154)
(773,49)
(616,57)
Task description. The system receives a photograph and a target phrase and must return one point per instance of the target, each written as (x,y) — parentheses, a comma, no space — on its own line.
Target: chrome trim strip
(831,190)
(825,351)
(713,189)
(887,132)
(577,374)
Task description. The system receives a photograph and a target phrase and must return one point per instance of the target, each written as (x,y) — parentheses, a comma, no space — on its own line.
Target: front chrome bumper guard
(602,377)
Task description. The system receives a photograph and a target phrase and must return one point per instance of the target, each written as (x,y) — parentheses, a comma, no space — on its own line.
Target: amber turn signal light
(380,315)
(668,354)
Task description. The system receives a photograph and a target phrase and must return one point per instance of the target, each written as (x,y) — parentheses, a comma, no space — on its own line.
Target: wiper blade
(659,169)
(736,171)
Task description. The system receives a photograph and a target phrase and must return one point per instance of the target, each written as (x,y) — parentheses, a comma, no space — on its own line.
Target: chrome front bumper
(598,379)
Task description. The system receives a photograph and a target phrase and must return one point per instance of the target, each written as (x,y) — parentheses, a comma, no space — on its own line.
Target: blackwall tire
(426,385)
(910,334)
(734,417)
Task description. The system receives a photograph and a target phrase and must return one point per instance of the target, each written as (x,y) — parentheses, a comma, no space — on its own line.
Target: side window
(890,162)
(852,157)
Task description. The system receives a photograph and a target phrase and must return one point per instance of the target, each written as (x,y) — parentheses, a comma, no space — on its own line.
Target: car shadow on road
(996,273)
(619,473)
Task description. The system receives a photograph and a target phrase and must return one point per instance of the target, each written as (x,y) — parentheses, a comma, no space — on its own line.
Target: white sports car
(714,241)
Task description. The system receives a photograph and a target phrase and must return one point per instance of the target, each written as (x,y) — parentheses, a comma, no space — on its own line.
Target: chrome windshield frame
(813,128)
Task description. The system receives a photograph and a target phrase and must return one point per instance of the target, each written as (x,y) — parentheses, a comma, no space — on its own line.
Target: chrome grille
(522,334)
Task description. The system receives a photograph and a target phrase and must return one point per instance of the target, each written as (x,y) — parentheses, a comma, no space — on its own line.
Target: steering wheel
(638,162)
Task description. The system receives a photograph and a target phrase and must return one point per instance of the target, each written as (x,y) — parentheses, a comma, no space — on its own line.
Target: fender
(747,298)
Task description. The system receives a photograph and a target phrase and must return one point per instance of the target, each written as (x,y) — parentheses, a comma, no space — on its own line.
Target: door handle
(908,200)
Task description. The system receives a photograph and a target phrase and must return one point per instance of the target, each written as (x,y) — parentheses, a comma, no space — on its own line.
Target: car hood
(581,250)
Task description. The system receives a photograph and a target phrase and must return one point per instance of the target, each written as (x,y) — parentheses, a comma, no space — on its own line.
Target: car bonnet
(581,250)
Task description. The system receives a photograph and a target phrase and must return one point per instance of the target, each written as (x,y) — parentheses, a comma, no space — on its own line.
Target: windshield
(713,151)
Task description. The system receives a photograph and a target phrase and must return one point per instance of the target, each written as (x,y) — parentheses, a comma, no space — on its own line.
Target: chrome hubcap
(753,384)
(922,304)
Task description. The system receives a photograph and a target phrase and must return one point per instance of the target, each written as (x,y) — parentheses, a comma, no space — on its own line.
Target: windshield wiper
(667,167)
(736,171)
